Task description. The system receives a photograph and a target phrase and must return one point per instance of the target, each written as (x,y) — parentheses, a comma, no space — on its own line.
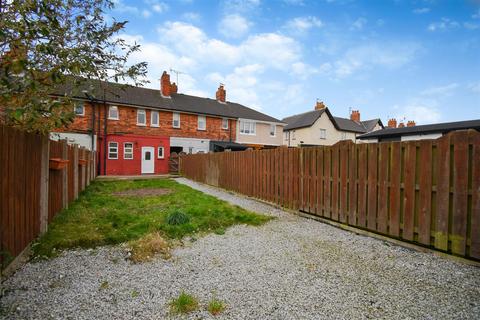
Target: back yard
(223,256)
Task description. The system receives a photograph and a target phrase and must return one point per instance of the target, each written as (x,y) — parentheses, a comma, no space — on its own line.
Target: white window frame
(225,121)
(174,115)
(125,151)
(153,124)
(109,114)
(79,104)
(140,111)
(163,153)
(110,147)
(199,118)
(274,126)
(323,134)
(252,130)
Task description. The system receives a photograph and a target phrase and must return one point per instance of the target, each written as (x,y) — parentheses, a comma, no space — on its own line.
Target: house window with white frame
(224,123)
(176,120)
(155,119)
(141,117)
(247,127)
(128,151)
(202,123)
(161,153)
(79,109)
(113,113)
(113,150)
(273,130)
(323,134)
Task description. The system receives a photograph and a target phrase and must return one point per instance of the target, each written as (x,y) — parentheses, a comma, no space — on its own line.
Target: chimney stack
(173,88)
(392,123)
(401,125)
(221,93)
(411,123)
(319,105)
(165,85)
(355,115)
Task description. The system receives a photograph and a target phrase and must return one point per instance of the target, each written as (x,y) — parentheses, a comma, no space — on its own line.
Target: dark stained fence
(425,192)
(23,156)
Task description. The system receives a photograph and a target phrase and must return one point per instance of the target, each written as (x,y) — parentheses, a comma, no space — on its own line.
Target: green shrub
(185,303)
(215,306)
(177,217)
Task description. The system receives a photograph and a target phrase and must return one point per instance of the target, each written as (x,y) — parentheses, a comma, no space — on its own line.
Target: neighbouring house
(414,132)
(320,127)
(135,129)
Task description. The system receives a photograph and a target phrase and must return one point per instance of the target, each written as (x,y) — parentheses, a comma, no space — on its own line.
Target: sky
(406,59)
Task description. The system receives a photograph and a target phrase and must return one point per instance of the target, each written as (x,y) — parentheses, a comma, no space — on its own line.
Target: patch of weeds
(104,285)
(220,231)
(145,248)
(135,293)
(185,303)
(215,306)
(177,217)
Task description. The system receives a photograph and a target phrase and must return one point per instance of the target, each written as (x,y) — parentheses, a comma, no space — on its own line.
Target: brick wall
(127,124)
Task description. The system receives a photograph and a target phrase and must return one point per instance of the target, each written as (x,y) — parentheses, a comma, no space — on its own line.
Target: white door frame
(148,166)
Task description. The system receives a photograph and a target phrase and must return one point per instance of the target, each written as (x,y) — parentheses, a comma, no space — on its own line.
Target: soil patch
(147,192)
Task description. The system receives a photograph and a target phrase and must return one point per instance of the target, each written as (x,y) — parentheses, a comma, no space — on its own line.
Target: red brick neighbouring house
(113,118)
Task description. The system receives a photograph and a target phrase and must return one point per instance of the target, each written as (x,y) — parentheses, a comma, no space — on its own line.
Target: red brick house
(135,129)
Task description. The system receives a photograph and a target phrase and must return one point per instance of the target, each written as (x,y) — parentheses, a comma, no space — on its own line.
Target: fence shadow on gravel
(426,192)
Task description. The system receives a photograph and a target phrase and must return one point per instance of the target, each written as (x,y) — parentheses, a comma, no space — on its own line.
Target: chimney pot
(165,85)
(319,105)
(221,93)
(173,88)
(355,115)
(392,123)
(411,123)
(401,125)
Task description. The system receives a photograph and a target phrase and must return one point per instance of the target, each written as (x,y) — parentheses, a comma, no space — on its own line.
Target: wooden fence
(426,192)
(32,192)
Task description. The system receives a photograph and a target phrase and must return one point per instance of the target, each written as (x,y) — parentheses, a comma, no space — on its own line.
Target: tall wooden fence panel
(425,192)
(29,182)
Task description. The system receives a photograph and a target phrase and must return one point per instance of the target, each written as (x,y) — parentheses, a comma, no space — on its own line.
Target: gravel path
(290,268)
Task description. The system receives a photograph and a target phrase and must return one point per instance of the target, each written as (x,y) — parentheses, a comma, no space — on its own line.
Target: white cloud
(120,6)
(391,55)
(303,24)
(240,5)
(146,13)
(476,15)
(444,24)
(471,26)
(443,91)
(191,16)
(294,2)
(421,10)
(359,24)
(157,6)
(419,112)
(474,87)
(234,26)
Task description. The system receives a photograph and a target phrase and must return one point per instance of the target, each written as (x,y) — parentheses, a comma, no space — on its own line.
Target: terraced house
(320,127)
(135,129)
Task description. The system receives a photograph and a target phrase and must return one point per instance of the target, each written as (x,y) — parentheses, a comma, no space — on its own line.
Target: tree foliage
(50,43)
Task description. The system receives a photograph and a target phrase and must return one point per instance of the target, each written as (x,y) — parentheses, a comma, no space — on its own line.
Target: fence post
(88,167)
(75,171)
(44,180)
(65,175)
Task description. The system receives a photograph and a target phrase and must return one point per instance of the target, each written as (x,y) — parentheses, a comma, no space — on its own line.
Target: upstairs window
(247,127)
(202,123)
(224,123)
(323,134)
(128,150)
(112,150)
(113,113)
(154,121)
(79,109)
(176,120)
(273,130)
(141,117)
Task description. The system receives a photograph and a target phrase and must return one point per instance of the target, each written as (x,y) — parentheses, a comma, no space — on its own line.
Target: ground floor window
(161,154)
(128,150)
(112,150)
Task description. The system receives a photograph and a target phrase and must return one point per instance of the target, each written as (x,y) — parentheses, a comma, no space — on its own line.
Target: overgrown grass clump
(185,303)
(101,217)
(215,306)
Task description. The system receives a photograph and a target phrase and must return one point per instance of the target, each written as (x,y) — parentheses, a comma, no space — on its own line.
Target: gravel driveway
(290,268)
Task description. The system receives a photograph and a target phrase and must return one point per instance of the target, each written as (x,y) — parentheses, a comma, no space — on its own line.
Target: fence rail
(32,193)
(426,192)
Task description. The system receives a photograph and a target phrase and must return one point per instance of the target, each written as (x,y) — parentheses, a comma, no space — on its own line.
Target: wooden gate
(173,163)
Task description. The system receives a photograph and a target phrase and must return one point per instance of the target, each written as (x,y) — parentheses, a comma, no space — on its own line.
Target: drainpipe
(105,138)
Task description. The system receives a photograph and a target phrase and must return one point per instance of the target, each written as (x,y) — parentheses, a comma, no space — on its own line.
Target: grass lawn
(112,212)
